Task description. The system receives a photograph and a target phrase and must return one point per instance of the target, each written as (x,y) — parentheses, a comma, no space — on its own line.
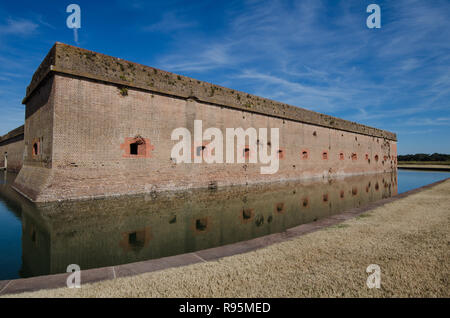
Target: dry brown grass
(408,239)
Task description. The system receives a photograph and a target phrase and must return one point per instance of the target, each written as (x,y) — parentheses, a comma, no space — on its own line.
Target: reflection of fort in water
(107,232)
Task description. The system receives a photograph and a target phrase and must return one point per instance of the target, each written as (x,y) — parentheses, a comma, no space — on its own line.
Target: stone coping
(78,62)
(21,285)
(17,132)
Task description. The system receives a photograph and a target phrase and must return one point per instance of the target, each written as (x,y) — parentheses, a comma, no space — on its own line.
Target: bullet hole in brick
(201,224)
(377,186)
(200,149)
(173,219)
(304,155)
(280,154)
(305,202)
(324,155)
(354,191)
(259,220)
(376,158)
(356,138)
(367,156)
(314,133)
(325,198)
(246,214)
(269,143)
(342,194)
(279,207)
(354,156)
(269,219)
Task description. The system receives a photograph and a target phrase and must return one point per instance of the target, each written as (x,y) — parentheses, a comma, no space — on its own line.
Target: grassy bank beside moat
(408,238)
(425,163)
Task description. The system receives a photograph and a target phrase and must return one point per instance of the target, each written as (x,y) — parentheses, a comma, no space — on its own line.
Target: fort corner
(97,125)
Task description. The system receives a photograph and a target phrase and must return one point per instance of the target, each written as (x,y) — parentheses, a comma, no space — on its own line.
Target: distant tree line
(424,157)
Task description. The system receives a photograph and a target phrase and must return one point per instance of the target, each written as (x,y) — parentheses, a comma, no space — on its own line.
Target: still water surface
(40,239)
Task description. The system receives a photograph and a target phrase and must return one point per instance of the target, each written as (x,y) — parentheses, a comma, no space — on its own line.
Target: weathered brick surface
(15,155)
(83,124)
(12,145)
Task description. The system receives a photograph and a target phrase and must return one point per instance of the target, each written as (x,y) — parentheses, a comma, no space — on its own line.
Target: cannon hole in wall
(35,148)
(137,148)
(134,149)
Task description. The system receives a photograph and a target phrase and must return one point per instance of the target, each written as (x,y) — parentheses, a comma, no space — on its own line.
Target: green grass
(424,163)
(364,215)
(339,226)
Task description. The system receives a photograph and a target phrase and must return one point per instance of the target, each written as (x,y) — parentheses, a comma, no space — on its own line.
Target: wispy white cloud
(19,27)
(170,22)
(303,54)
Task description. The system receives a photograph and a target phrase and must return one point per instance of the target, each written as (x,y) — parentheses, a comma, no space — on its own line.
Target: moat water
(41,239)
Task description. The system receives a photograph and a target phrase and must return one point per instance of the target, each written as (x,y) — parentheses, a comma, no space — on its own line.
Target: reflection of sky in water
(412,179)
(114,231)
(10,236)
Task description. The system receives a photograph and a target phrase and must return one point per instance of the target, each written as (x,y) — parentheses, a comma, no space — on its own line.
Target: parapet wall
(79,62)
(12,146)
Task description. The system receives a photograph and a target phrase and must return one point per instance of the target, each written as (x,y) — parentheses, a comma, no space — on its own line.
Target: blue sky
(315,54)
